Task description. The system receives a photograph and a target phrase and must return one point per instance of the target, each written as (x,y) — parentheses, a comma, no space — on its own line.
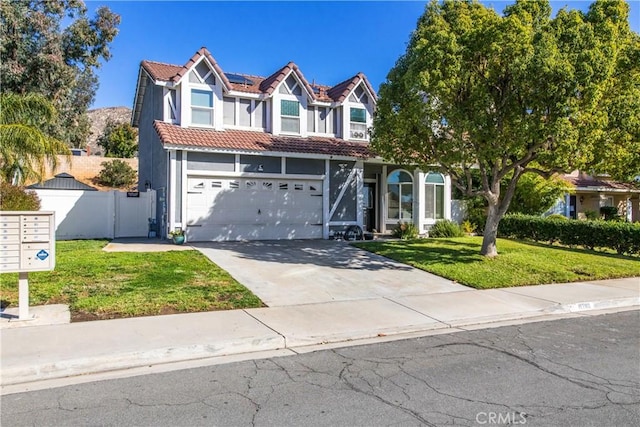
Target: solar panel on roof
(238,79)
(316,89)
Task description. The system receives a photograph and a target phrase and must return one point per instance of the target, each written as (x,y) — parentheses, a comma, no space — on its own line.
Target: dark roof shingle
(585,182)
(62,181)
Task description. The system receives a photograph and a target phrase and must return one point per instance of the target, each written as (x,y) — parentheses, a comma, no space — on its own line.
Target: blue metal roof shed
(62,181)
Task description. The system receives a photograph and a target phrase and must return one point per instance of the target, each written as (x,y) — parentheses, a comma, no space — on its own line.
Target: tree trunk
(489,248)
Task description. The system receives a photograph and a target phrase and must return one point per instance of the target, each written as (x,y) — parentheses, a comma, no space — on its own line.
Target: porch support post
(567,205)
(418,206)
(172,190)
(23,296)
(325,200)
(447,197)
(184,190)
(383,200)
(359,168)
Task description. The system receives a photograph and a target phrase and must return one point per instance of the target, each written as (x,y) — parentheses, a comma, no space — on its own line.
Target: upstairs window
(201,107)
(229,110)
(325,121)
(358,123)
(171,106)
(434,196)
(290,114)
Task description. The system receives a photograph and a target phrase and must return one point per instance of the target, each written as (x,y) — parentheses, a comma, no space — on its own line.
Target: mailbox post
(27,243)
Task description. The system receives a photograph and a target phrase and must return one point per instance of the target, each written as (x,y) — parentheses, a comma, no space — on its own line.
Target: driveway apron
(293,272)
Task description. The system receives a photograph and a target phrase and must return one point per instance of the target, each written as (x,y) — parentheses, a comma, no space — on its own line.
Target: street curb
(130,360)
(600,305)
(115,362)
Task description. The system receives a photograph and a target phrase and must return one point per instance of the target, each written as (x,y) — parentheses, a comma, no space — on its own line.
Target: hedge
(623,237)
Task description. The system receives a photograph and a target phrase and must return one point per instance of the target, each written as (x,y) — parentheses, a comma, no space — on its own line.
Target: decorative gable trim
(271,83)
(342,90)
(202,55)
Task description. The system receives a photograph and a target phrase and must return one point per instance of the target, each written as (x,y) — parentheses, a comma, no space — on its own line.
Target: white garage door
(253,209)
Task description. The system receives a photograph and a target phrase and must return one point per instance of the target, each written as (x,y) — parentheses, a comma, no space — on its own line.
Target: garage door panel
(221,209)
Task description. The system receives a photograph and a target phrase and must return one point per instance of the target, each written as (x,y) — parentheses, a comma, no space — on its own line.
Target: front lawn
(104,285)
(518,264)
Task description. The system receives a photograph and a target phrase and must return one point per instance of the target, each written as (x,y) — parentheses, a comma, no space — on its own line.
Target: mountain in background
(98,119)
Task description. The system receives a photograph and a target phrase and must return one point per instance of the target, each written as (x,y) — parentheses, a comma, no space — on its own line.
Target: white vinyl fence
(99,214)
(458,210)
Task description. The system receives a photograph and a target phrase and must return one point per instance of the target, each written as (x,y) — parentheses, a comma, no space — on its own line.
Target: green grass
(517,264)
(103,285)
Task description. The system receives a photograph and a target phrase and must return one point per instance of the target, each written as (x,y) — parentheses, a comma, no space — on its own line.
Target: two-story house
(242,157)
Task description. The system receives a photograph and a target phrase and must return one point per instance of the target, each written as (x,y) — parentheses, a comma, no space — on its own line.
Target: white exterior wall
(98,214)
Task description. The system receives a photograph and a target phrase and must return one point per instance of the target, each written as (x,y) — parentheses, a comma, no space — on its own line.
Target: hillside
(98,119)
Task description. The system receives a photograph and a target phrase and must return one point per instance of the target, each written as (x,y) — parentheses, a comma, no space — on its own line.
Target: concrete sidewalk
(39,353)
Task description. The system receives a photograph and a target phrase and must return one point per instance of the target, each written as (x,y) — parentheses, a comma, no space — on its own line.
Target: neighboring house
(590,193)
(242,157)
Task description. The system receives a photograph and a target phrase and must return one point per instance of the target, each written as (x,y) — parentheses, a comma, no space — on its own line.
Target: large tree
(25,147)
(119,140)
(53,48)
(510,94)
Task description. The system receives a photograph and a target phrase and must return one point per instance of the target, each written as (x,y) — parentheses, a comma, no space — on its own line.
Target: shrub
(610,213)
(591,215)
(445,228)
(623,237)
(558,217)
(14,198)
(405,231)
(116,173)
(468,227)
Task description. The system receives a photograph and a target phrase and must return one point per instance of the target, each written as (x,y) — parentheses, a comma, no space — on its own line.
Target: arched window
(400,190)
(434,196)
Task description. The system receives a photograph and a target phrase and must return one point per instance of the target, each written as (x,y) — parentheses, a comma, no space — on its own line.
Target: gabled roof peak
(161,71)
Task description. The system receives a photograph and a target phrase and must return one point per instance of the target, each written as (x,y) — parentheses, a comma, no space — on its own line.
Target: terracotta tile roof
(255,88)
(269,84)
(258,141)
(585,182)
(340,91)
(173,73)
(160,71)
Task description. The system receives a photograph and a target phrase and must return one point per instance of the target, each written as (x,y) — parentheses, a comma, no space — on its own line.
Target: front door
(572,207)
(369,201)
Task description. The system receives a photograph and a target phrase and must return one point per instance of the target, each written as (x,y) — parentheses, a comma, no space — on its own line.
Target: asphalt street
(579,371)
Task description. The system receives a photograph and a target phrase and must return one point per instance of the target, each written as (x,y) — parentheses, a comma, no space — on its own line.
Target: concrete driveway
(294,272)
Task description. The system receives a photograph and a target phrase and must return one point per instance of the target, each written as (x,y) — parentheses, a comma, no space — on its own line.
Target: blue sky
(329,40)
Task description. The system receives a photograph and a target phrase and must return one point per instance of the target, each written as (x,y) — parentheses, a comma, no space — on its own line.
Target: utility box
(27,241)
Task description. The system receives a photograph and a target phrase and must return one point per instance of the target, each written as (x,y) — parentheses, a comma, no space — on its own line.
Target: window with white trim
(290,116)
(171,105)
(434,196)
(201,107)
(400,196)
(229,110)
(357,123)
(311,119)
(244,112)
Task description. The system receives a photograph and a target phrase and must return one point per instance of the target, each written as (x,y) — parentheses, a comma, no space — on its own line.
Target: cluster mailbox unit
(27,243)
